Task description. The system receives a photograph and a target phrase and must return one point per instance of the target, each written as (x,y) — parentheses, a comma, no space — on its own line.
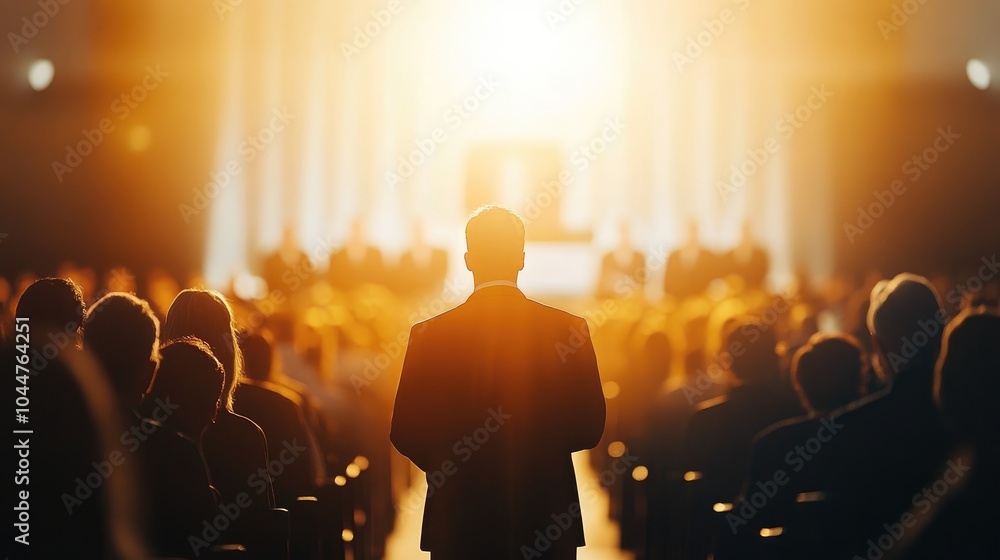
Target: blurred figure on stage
(690,268)
(619,268)
(422,268)
(748,260)
(357,262)
(288,261)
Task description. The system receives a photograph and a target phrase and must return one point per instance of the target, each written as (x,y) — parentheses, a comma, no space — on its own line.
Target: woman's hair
(206,315)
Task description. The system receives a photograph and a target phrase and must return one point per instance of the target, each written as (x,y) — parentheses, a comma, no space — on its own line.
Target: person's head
(257,356)
(123,334)
(495,239)
(967,378)
(751,347)
(54,308)
(205,314)
(905,319)
(829,372)
(192,379)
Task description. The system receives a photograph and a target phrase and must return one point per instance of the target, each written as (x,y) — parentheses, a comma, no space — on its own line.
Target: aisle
(602,534)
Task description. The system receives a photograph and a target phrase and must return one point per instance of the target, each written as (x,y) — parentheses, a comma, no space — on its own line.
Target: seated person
(182,400)
(962,520)
(891,444)
(122,334)
(279,412)
(234,446)
(718,438)
(829,372)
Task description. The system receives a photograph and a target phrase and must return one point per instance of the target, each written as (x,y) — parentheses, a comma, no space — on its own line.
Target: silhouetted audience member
(234,446)
(828,373)
(620,274)
(719,434)
(182,400)
(638,395)
(422,268)
(356,263)
(66,435)
(891,443)
(690,268)
(668,423)
(493,397)
(122,333)
(963,518)
(748,260)
(279,413)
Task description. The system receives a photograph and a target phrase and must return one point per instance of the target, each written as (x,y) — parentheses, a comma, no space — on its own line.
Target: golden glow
(40,74)
(611,389)
(640,473)
(979,73)
(339,480)
(347,535)
(362,462)
(692,476)
(806,497)
(767,532)
(722,507)
(352,471)
(139,138)
(616,449)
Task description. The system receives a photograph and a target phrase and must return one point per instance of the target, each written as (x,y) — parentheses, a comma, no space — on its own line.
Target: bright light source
(640,473)
(978,72)
(691,476)
(40,74)
(722,507)
(340,480)
(767,532)
(616,449)
(353,470)
(361,461)
(347,535)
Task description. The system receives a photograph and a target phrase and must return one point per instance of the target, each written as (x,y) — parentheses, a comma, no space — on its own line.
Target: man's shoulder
(462,313)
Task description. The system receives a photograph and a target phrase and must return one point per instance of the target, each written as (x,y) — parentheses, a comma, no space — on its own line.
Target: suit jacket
(493,398)
(284,424)
(718,438)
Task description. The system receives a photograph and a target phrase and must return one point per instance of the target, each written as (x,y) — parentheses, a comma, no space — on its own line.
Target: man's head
(906,320)
(829,372)
(54,307)
(752,347)
(123,334)
(495,239)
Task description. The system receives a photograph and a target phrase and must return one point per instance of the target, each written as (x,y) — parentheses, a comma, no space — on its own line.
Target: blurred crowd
(826,421)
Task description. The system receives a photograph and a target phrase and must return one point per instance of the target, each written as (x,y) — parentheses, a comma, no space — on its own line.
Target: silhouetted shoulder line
(569,317)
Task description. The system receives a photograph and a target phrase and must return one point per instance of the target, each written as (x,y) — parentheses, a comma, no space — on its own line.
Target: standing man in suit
(493,398)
